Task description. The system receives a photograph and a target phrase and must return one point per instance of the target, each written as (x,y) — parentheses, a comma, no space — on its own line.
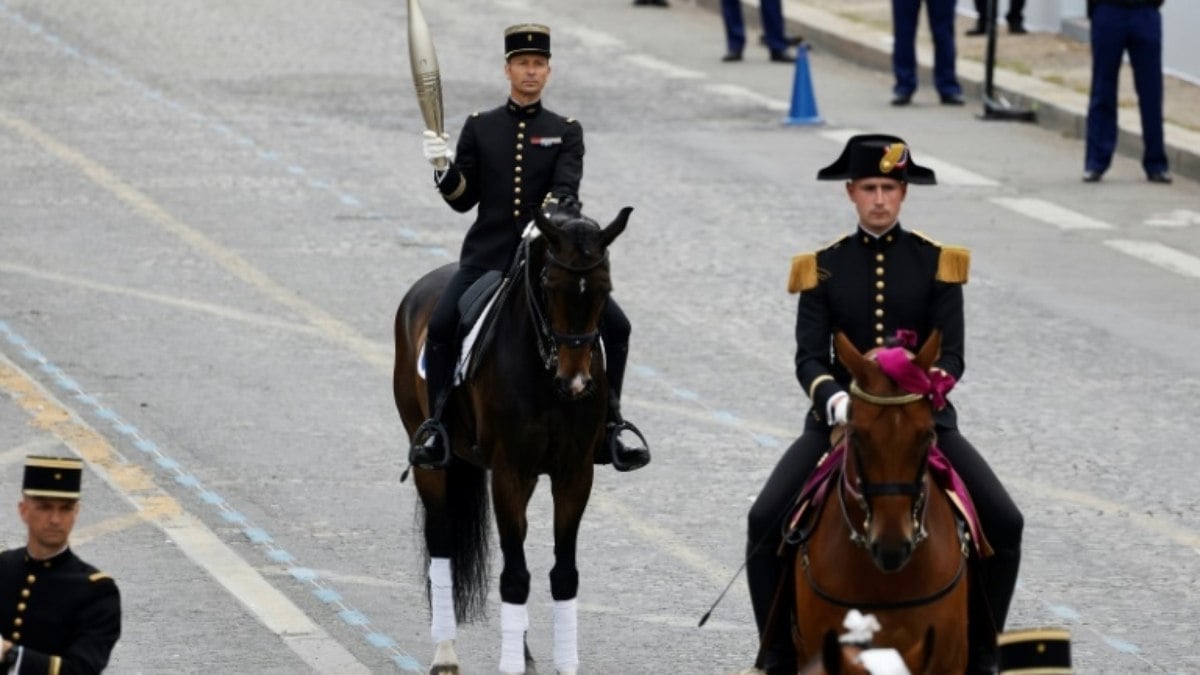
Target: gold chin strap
(902,399)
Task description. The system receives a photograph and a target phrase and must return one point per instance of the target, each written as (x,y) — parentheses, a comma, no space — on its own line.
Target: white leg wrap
(566,639)
(441,591)
(514,621)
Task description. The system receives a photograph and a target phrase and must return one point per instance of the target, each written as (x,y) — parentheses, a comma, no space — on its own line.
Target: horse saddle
(476,309)
(802,516)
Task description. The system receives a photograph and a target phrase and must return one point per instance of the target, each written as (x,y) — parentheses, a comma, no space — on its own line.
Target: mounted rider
(870,284)
(509,161)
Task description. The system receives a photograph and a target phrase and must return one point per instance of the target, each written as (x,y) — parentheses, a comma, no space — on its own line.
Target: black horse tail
(466,535)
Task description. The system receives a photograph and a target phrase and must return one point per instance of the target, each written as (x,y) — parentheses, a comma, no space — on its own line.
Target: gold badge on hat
(896,156)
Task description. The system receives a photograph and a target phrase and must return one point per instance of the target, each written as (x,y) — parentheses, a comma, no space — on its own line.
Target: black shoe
(952,99)
(1017,29)
(1090,176)
(782,56)
(790,40)
(1163,177)
(651,3)
(902,99)
(730,57)
(979,29)
(431,446)
(625,458)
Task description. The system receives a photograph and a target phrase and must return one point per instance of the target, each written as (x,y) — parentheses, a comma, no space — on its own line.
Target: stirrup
(614,430)
(430,429)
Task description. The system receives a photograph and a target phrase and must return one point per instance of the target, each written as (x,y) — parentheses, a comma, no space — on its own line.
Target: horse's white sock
(514,621)
(566,641)
(441,592)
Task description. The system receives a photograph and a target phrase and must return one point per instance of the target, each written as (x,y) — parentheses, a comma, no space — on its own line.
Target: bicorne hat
(877,156)
(526,38)
(54,477)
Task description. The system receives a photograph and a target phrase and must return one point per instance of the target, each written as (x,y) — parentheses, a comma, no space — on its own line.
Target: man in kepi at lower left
(58,614)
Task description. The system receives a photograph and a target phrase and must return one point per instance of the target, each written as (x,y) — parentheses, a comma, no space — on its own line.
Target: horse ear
(930,350)
(548,229)
(831,653)
(850,356)
(616,227)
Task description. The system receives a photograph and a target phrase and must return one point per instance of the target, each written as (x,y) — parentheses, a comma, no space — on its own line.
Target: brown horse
(888,541)
(535,403)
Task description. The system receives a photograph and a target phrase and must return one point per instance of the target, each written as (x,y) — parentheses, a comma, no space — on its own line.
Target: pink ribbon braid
(935,383)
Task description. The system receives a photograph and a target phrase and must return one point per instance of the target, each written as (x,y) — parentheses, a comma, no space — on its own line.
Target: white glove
(837,410)
(437,149)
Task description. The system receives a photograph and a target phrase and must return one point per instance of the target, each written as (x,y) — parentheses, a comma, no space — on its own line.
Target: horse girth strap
(902,399)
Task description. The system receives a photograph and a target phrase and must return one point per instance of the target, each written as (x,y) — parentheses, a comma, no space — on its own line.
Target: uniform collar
(49,563)
(878,242)
(524,112)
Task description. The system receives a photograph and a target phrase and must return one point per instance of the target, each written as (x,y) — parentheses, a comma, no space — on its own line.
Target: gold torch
(426,76)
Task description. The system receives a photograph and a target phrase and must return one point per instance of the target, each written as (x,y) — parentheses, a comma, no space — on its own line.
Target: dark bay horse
(535,403)
(887,540)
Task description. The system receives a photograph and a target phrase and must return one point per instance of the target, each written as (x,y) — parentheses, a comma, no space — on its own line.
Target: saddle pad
(464,352)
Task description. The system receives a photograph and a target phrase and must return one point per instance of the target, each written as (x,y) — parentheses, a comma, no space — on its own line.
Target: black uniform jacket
(508,160)
(62,612)
(869,288)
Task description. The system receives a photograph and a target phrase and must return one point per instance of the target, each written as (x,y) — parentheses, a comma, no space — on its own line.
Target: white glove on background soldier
(837,409)
(437,149)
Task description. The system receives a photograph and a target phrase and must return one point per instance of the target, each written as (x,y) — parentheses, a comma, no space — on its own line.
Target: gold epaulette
(953,264)
(97,576)
(953,261)
(570,120)
(475,114)
(803,276)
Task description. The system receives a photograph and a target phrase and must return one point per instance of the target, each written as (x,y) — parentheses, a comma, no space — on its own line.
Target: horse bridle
(548,339)
(863,491)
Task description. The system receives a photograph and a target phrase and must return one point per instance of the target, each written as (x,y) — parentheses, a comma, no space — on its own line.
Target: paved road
(212,211)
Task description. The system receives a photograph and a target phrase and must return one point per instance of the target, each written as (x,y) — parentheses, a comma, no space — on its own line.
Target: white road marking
(664,68)
(1176,218)
(160,298)
(1058,216)
(1159,255)
(266,603)
(740,93)
(41,445)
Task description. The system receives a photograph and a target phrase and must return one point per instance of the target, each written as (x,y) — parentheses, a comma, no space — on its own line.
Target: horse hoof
(450,669)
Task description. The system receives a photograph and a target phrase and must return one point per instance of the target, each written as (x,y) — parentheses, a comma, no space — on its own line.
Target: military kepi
(877,156)
(526,38)
(1035,651)
(54,477)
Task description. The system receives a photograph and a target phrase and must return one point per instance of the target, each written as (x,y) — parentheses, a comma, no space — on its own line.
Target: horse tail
(465,533)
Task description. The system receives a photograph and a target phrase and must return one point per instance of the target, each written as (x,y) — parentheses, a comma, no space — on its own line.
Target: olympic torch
(426,76)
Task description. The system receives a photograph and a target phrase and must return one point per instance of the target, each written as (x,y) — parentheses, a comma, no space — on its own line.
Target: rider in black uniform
(509,161)
(869,284)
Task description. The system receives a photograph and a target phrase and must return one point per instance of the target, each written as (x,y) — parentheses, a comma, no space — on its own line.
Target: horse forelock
(581,240)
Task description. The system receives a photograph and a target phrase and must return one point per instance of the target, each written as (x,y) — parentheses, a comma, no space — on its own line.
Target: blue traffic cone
(804,102)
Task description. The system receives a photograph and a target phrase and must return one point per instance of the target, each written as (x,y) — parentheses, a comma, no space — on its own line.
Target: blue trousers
(1117,29)
(735,26)
(904,46)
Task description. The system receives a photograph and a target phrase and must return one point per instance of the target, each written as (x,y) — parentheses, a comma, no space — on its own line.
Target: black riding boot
(623,457)
(431,442)
(996,580)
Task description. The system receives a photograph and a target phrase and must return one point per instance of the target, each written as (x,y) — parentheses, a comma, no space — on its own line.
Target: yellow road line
(139,202)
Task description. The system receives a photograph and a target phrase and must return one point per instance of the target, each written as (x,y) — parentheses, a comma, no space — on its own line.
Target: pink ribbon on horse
(896,363)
